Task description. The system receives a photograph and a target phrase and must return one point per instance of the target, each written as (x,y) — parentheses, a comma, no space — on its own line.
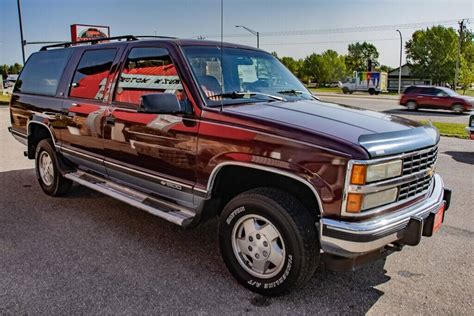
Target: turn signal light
(358,174)
(354,202)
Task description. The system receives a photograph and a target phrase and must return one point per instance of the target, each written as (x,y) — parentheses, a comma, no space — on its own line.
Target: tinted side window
(431,91)
(91,74)
(42,72)
(147,70)
(410,90)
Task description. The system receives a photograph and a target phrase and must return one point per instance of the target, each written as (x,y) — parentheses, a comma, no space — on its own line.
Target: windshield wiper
(241,94)
(292,91)
(297,92)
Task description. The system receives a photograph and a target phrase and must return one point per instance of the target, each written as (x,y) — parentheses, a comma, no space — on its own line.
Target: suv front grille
(416,163)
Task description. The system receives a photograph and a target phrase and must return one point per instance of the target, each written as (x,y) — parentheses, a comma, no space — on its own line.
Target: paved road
(89,254)
(390,105)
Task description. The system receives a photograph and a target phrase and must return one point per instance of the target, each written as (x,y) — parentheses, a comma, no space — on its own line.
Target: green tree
(15,68)
(325,68)
(384,68)
(359,55)
(333,66)
(10,70)
(294,65)
(431,53)
(466,74)
(312,67)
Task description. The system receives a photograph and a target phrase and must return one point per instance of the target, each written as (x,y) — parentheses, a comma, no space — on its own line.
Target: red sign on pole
(83,32)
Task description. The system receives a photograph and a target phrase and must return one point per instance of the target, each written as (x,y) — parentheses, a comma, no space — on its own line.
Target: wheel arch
(283,179)
(36,132)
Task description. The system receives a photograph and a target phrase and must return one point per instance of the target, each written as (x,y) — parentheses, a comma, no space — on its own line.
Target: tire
(371,91)
(271,224)
(377,92)
(457,108)
(345,90)
(412,106)
(47,171)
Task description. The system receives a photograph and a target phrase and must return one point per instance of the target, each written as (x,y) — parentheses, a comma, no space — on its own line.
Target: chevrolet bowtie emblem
(430,172)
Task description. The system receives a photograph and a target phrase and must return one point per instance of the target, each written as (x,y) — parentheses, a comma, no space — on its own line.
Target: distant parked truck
(373,82)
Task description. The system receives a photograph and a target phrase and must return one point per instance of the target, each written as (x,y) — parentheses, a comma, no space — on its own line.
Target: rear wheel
(268,241)
(457,108)
(47,171)
(371,91)
(412,106)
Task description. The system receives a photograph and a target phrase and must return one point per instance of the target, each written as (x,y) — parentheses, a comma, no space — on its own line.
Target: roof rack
(92,41)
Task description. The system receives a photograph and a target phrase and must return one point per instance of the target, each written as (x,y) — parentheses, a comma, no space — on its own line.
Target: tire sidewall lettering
(234,213)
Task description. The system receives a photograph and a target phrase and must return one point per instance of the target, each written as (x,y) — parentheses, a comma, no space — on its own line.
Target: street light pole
(400,69)
(257,34)
(21,32)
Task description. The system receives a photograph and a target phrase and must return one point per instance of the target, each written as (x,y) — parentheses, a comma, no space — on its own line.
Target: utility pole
(400,69)
(460,39)
(21,32)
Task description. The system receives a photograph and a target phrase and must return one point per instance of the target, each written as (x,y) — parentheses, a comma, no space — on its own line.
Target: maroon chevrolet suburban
(190,130)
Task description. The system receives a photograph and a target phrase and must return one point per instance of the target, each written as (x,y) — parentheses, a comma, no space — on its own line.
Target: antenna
(222,60)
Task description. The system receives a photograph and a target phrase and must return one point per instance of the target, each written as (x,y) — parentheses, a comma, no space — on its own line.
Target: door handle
(110,121)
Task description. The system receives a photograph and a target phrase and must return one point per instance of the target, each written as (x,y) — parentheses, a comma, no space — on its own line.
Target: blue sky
(50,20)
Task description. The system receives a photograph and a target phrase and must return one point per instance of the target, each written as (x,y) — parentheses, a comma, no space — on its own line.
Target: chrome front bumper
(352,239)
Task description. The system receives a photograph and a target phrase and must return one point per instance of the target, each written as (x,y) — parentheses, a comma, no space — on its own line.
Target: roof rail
(155,36)
(92,41)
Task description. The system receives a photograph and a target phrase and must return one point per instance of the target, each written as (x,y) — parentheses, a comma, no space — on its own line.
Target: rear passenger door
(84,108)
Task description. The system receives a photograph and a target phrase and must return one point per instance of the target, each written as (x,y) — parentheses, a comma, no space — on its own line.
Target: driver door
(153,152)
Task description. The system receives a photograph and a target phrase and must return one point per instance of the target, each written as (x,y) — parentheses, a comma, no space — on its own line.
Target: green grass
(468,92)
(450,129)
(333,90)
(4,99)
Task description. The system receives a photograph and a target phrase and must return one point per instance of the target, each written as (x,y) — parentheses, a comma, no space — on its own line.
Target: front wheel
(268,241)
(457,108)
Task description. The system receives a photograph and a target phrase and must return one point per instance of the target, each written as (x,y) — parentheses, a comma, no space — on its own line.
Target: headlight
(357,202)
(362,174)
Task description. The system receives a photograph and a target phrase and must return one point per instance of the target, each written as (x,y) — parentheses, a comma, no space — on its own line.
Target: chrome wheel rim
(411,105)
(258,246)
(45,167)
(458,109)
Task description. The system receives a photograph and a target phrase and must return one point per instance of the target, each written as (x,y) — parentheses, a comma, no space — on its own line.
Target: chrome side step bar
(171,212)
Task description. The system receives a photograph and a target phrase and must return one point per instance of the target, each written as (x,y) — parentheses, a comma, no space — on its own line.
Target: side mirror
(161,103)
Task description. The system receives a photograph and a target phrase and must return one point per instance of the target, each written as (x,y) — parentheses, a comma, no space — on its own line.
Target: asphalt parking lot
(89,254)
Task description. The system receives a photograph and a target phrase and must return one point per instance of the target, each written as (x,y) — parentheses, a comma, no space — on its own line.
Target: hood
(380,134)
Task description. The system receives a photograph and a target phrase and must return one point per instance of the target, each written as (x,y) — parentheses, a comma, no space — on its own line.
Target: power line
(338,41)
(354,29)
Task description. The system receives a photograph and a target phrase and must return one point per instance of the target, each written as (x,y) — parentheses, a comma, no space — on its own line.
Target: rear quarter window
(42,72)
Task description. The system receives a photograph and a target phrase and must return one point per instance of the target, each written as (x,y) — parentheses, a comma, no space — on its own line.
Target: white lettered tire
(269,241)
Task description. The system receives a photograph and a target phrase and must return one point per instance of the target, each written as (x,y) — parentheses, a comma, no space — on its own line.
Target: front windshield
(245,75)
(449,91)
